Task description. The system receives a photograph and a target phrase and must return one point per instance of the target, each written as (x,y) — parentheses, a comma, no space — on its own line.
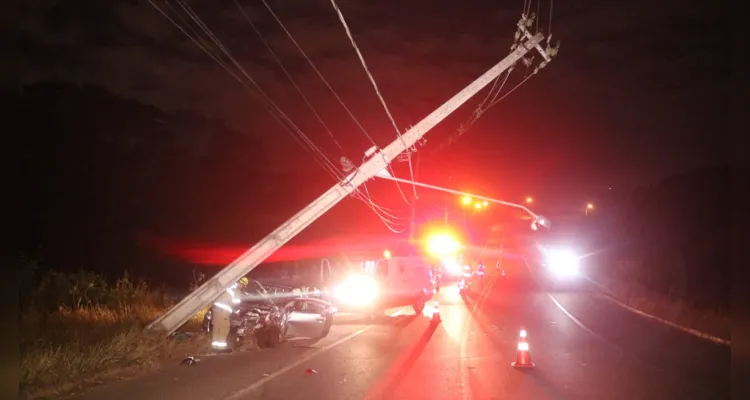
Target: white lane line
(246,390)
(566,312)
(603,293)
(574,319)
(619,349)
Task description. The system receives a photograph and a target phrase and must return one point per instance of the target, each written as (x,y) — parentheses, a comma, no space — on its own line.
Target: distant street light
(529,200)
(589,206)
(478,205)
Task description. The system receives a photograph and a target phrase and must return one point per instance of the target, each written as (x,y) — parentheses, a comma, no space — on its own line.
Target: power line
(375,86)
(258,88)
(549,32)
(321,159)
(196,42)
(514,87)
(193,30)
(479,110)
(288,75)
(525,22)
(328,85)
(365,198)
(270,106)
(320,75)
(500,89)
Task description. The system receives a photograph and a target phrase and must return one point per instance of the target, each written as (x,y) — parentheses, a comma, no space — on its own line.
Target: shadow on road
(541,381)
(401,367)
(399,321)
(476,308)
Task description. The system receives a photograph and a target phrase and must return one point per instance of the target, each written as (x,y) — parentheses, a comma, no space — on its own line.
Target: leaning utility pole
(378,160)
(413,217)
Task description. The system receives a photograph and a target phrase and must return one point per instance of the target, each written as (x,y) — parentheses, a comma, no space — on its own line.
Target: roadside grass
(673,309)
(78,331)
(95,337)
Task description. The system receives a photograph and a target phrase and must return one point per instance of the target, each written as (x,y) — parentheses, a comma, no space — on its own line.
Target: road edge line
(602,338)
(694,332)
(603,293)
(565,311)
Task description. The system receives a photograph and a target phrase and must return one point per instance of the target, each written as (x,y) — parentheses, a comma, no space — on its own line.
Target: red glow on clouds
(211,254)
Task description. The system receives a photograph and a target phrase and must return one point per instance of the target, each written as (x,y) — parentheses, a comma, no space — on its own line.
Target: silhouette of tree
(97,172)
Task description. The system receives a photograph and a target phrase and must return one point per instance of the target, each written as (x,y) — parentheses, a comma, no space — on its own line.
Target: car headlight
(563,262)
(357,290)
(451,266)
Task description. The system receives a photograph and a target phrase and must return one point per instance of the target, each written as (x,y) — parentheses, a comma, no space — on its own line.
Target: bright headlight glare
(357,289)
(452,266)
(563,262)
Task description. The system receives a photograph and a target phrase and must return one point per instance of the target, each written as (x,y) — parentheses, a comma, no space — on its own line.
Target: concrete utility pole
(412,220)
(377,161)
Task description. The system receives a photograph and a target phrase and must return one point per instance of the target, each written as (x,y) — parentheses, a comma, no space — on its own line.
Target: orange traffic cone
(523,355)
(435,312)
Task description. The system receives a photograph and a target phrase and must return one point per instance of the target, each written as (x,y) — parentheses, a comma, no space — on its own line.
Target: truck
(385,283)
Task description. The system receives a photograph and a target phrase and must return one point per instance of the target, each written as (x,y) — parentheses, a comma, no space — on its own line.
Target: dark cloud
(633,78)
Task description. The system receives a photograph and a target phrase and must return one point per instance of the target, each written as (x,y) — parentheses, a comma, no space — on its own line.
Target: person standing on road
(221,313)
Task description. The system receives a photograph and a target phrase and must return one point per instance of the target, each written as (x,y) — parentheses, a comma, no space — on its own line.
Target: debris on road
(310,371)
(190,361)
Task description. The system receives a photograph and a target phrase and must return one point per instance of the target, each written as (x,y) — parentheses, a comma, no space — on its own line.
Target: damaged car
(272,319)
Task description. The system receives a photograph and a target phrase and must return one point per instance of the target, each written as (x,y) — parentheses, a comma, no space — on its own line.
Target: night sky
(638,91)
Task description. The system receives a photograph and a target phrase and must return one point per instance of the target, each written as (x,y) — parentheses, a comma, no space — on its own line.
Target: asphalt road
(583,347)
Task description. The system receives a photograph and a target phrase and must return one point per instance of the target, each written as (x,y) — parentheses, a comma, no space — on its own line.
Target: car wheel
(327,327)
(261,338)
(273,337)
